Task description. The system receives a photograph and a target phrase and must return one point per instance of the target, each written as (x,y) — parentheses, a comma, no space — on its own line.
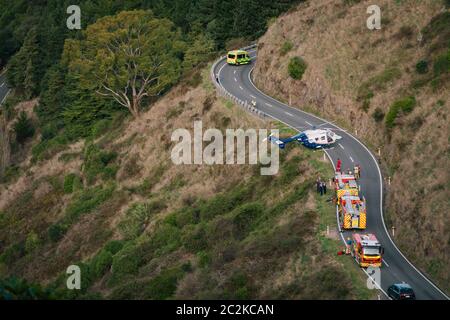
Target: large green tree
(22,68)
(127,57)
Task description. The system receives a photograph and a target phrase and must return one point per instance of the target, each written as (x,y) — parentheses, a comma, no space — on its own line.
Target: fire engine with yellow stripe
(351,208)
(366,250)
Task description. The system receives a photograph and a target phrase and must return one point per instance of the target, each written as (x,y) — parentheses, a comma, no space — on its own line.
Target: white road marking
(308,123)
(381,188)
(340,145)
(289,114)
(385,262)
(375,283)
(253,96)
(220,70)
(234,71)
(241,88)
(1,85)
(5,96)
(235,80)
(269,105)
(351,159)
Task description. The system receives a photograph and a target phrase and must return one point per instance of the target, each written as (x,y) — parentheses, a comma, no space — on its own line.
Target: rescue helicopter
(312,138)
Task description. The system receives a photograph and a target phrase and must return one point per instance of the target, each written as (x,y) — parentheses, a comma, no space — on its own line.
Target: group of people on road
(356,169)
(321,186)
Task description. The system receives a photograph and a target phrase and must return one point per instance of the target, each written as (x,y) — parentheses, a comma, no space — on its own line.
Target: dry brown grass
(145,144)
(342,54)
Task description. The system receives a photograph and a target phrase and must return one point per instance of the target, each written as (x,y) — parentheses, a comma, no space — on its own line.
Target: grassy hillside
(141,227)
(391,87)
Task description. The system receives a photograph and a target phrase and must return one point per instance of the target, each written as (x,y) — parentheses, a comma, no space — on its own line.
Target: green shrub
(100,127)
(437,32)
(135,220)
(23,128)
(68,182)
(237,286)
(328,276)
(83,203)
(290,171)
(422,67)
(442,64)
(378,82)
(166,238)
(405,32)
(77,184)
(87,201)
(287,46)
(378,115)
(10,173)
(296,68)
(126,262)
(164,285)
(194,238)
(14,288)
(49,131)
(101,263)
(405,105)
(32,242)
(56,232)
(99,162)
(45,149)
(245,218)
(204,259)
(13,253)
(114,246)
(225,202)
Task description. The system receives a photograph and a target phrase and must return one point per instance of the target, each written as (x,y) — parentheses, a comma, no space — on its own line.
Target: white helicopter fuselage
(318,138)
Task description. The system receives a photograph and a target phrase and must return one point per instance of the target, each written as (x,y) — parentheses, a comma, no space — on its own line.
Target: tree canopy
(127,57)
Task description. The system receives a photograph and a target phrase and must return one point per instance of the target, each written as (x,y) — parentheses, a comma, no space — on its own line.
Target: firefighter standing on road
(356,170)
(348,244)
(338,166)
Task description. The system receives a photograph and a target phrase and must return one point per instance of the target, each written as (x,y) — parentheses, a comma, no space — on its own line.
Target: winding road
(237,81)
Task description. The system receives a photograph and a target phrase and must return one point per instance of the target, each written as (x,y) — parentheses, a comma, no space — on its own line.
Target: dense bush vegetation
(378,114)
(405,106)
(296,68)
(23,128)
(46,59)
(287,46)
(422,67)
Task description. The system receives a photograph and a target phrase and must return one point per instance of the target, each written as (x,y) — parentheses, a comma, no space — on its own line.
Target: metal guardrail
(221,91)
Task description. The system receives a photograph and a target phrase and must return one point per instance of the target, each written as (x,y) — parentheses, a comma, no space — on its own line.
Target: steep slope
(142,227)
(390,88)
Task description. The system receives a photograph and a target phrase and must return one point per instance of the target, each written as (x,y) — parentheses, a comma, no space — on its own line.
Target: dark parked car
(401,291)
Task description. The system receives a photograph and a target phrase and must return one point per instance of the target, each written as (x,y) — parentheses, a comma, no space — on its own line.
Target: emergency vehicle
(237,57)
(345,184)
(366,250)
(352,212)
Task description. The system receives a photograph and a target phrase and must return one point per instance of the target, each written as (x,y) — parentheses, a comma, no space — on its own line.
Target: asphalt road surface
(4,90)
(237,80)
